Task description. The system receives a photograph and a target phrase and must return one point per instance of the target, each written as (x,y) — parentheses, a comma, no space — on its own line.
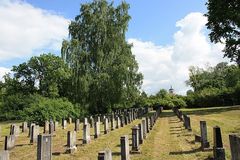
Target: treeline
(214,86)
(96,73)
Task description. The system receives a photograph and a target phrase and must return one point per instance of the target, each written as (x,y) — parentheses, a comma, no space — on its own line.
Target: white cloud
(26,30)
(164,66)
(4,71)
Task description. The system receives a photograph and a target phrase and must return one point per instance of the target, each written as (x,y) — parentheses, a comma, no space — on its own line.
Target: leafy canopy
(224,23)
(105,72)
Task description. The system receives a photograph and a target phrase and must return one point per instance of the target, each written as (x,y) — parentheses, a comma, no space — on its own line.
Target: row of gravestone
(116,121)
(44,140)
(218,150)
(139,133)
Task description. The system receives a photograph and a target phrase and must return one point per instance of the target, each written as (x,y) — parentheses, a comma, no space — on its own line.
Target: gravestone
(24,127)
(86,134)
(34,134)
(30,129)
(77,125)
(55,125)
(113,124)
(124,148)
(144,128)
(44,147)
(85,121)
(51,128)
(105,155)
(96,129)
(122,121)
(147,124)
(91,122)
(106,128)
(151,122)
(9,142)
(140,130)
(64,123)
(46,127)
(218,150)
(203,129)
(235,146)
(118,122)
(14,130)
(71,141)
(135,139)
(70,120)
(4,155)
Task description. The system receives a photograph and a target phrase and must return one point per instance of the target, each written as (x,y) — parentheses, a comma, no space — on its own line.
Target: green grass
(168,140)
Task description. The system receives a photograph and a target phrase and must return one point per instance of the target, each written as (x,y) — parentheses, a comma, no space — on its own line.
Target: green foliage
(215,86)
(105,72)
(44,74)
(224,23)
(35,108)
(45,109)
(162,98)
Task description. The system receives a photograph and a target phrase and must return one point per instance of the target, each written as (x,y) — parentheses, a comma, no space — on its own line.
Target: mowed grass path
(167,141)
(170,141)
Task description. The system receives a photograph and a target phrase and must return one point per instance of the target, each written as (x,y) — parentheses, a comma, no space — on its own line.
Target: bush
(45,109)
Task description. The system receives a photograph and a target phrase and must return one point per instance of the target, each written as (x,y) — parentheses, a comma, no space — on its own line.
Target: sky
(167,36)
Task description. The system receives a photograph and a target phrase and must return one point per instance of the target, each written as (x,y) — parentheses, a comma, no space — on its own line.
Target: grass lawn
(167,141)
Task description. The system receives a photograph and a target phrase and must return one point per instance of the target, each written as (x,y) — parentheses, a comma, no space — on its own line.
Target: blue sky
(151,20)
(167,36)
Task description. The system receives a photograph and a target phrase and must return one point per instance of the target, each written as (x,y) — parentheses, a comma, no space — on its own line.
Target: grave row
(139,133)
(218,150)
(44,141)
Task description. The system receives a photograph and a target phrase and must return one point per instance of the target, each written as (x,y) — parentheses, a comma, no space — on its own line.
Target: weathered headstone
(86,134)
(118,122)
(9,142)
(14,130)
(46,127)
(71,141)
(140,130)
(105,155)
(203,129)
(4,155)
(218,150)
(55,125)
(51,128)
(113,124)
(44,147)
(106,128)
(135,139)
(96,129)
(235,146)
(30,129)
(91,122)
(77,125)
(124,148)
(64,123)
(147,124)
(70,120)
(24,127)
(85,121)
(34,134)
(144,125)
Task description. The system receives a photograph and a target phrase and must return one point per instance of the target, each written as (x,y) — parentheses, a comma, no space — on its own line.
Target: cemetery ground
(168,140)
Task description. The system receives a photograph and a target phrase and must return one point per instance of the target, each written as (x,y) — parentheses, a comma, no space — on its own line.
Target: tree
(44,74)
(224,23)
(105,72)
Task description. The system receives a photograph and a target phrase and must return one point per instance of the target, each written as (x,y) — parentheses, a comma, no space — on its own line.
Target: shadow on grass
(56,153)
(186,152)
(206,111)
(116,153)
